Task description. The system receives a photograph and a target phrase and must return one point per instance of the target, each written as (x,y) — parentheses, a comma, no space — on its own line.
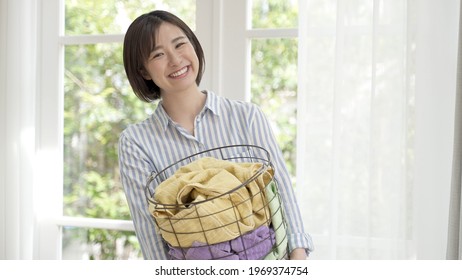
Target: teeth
(180,72)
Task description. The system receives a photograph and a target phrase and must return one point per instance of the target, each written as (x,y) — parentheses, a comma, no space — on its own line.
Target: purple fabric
(254,245)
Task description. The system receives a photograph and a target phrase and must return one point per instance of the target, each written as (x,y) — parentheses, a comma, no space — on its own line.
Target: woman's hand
(298,254)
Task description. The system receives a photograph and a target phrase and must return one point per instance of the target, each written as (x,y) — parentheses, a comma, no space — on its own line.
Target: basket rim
(266,164)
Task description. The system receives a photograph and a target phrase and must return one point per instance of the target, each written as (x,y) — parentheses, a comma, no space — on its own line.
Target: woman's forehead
(167,33)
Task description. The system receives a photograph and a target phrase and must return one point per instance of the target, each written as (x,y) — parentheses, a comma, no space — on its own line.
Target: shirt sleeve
(263,136)
(135,167)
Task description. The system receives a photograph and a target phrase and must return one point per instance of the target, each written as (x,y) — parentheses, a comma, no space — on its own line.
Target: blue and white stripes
(157,142)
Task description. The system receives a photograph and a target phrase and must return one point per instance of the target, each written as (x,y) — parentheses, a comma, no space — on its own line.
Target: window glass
(274,89)
(274,14)
(98,105)
(99,244)
(114,16)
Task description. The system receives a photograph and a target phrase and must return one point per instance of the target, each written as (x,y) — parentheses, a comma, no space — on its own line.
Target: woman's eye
(180,44)
(157,55)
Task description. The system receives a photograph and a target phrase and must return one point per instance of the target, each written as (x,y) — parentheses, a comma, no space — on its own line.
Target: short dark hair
(138,43)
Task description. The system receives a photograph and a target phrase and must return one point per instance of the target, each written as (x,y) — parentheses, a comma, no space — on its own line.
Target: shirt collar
(211,103)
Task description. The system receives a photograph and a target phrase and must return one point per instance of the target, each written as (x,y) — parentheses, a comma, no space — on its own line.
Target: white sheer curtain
(18,89)
(356,127)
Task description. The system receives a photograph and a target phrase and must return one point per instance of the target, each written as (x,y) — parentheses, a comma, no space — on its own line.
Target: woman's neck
(183,107)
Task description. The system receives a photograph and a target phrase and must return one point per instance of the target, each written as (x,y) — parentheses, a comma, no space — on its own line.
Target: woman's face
(173,64)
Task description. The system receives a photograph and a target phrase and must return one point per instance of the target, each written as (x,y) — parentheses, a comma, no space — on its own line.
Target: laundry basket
(221,203)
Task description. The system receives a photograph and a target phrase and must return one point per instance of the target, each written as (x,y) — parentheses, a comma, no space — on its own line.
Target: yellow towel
(200,218)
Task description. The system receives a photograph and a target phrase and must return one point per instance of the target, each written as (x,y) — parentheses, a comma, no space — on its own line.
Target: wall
(435,98)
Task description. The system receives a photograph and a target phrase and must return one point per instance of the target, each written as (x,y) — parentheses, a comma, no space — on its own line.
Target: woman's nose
(175,59)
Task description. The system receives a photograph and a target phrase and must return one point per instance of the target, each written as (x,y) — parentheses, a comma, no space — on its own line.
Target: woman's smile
(180,73)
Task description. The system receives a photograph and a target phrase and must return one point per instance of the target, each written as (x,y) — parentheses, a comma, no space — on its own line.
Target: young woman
(164,60)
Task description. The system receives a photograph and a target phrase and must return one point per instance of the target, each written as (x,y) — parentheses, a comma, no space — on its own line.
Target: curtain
(356,127)
(18,53)
(454,247)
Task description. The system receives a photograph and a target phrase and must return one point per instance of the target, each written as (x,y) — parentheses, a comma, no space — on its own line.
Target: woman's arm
(298,254)
(135,168)
(300,243)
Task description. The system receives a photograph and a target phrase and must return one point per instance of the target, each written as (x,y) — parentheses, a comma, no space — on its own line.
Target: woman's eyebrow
(179,38)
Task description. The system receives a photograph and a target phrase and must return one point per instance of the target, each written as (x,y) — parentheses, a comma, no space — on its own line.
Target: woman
(164,60)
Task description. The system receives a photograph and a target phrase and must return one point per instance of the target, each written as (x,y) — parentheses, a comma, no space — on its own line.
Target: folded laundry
(253,245)
(207,202)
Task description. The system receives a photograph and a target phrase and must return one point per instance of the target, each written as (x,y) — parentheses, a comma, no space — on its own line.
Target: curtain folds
(454,247)
(356,127)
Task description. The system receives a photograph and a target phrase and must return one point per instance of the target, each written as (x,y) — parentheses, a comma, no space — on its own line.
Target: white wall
(435,99)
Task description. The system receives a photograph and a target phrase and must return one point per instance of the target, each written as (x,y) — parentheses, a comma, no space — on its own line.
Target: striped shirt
(155,143)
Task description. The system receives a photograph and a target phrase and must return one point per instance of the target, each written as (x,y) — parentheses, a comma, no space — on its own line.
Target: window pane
(114,16)
(274,88)
(274,14)
(98,105)
(99,244)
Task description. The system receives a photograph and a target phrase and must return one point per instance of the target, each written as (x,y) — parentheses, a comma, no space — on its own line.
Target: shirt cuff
(301,240)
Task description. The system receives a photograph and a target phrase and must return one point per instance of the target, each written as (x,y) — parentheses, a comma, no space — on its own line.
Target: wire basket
(221,203)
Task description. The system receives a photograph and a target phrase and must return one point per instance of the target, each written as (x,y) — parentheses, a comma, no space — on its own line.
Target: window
(274,49)
(265,35)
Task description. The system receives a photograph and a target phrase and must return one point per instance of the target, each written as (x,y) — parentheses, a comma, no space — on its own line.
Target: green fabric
(277,219)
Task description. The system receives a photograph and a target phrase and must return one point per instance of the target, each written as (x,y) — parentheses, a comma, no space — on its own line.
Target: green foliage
(98,105)
(114,16)
(274,13)
(274,73)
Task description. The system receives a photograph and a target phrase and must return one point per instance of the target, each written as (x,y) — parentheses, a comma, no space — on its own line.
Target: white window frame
(235,36)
